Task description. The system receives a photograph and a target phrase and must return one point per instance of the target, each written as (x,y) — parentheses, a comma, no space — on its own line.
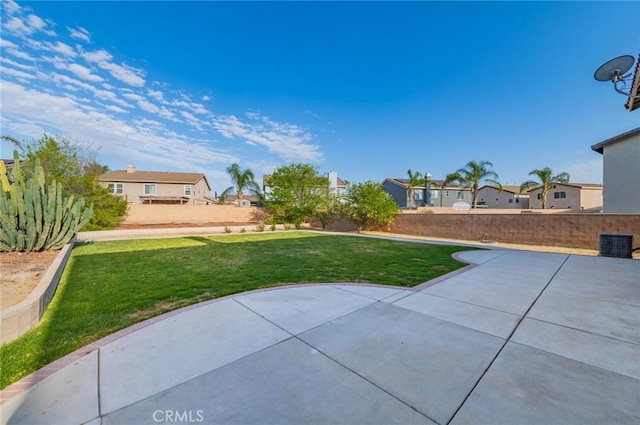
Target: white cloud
(93,98)
(37,24)
(124,73)
(80,34)
(288,141)
(97,56)
(10,7)
(63,48)
(148,106)
(17,64)
(61,79)
(115,109)
(133,96)
(156,95)
(20,75)
(26,26)
(589,171)
(83,72)
(17,26)
(132,140)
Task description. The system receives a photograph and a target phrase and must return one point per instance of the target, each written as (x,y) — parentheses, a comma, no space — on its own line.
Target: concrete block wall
(138,214)
(566,230)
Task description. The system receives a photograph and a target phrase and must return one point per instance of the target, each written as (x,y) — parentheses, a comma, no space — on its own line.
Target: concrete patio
(521,338)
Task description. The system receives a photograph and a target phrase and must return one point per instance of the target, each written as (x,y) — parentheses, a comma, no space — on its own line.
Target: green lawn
(107,286)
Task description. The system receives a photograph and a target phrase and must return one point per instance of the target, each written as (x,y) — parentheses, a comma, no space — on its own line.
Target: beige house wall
(591,198)
(139,214)
(134,192)
(577,197)
(621,176)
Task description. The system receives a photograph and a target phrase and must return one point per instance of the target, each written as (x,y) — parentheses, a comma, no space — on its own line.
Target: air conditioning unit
(614,245)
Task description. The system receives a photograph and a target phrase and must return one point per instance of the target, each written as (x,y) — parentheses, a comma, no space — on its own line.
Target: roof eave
(633,102)
(599,147)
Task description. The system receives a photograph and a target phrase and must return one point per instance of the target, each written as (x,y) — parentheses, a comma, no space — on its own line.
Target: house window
(435,194)
(460,195)
(559,195)
(149,189)
(517,199)
(417,195)
(116,188)
(189,190)
(511,201)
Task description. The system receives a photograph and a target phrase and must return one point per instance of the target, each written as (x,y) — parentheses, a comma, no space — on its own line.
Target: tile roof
(598,147)
(572,184)
(405,183)
(153,177)
(633,102)
(505,188)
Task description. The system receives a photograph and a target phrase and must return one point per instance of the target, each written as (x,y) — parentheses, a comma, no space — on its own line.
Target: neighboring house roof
(405,183)
(505,188)
(599,147)
(633,102)
(572,184)
(153,177)
(341,183)
(250,198)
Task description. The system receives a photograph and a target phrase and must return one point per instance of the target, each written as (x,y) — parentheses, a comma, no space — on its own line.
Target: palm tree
(415,179)
(12,140)
(450,178)
(547,179)
(475,172)
(241,180)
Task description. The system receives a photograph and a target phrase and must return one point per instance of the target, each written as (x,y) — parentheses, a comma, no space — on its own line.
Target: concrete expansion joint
(350,370)
(508,339)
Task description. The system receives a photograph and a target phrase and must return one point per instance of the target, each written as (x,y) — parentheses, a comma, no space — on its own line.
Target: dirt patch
(20,273)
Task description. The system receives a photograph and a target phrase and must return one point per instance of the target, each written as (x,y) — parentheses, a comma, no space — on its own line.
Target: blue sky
(368,89)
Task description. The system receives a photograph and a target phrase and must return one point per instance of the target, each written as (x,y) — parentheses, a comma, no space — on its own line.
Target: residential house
(337,186)
(247,200)
(575,196)
(621,174)
(430,195)
(158,187)
(509,197)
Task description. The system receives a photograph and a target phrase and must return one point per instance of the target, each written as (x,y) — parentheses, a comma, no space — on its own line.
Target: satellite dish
(614,69)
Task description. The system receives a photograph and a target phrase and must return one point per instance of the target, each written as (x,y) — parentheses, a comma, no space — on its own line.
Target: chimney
(131,168)
(333,182)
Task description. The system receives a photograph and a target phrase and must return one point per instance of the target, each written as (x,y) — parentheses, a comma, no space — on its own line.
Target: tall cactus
(34,216)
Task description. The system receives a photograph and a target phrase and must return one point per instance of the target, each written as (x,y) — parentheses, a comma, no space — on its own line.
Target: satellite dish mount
(614,71)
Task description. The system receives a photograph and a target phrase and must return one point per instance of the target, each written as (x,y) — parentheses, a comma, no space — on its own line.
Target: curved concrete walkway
(522,337)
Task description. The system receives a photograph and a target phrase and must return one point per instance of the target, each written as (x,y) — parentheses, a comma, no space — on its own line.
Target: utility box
(615,245)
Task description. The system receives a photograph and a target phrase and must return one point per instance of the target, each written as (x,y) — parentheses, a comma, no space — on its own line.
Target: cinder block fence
(565,230)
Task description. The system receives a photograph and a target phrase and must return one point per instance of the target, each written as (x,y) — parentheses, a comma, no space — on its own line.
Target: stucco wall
(566,230)
(621,175)
(133,192)
(192,214)
(493,198)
